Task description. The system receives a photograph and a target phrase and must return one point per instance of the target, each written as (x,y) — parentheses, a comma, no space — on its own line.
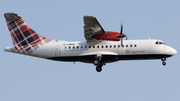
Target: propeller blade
(121,43)
(121,29)
(121,35)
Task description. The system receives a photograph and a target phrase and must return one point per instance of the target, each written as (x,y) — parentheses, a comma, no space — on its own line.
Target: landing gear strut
(163,61)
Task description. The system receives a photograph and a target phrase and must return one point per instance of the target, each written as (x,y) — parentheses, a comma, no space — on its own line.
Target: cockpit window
(163,43)
(156,42)
(160,43)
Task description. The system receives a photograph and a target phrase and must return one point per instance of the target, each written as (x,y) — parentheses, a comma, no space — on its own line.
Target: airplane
(99,48)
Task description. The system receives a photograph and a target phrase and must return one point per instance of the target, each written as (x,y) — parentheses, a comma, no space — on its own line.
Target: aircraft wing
(100,52)
(92,27)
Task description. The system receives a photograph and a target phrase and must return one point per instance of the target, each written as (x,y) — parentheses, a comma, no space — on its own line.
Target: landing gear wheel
(164,63)
(96,62)
(99,68)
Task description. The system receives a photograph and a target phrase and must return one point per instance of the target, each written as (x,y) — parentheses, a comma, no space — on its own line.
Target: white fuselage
(110,51)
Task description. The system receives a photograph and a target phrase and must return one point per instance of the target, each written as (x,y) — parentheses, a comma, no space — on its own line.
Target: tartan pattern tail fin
(25,39)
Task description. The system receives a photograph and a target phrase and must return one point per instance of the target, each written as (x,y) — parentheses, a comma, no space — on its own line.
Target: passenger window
(93,46)
(118,45)
(130,45)
(73,47)
(122,45)
(114,46)
(110,46)
(89,46)
(106,46)
(126,45)
(85,47)
(97,46)
(69,47)
(135,45)
(102,46)
(81,46)
(65,47)
(77,47)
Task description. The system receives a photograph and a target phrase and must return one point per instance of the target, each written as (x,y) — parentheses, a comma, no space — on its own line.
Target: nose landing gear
(163,61)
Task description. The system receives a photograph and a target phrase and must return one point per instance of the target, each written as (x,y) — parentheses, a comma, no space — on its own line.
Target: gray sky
(25,78)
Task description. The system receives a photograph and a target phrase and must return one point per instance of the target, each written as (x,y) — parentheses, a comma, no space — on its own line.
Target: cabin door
(57,51)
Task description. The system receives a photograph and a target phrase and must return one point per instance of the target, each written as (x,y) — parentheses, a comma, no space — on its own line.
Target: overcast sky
(25,78)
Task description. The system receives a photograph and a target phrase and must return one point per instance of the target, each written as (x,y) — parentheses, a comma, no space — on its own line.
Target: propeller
(122,35)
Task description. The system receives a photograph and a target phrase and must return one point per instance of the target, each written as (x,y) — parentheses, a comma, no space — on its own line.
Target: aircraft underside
(109,58)
(100,61)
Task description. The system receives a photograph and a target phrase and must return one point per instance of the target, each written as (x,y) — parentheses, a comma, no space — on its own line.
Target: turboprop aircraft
(99,48)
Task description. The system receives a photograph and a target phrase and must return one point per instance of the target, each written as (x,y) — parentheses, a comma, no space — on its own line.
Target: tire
(163,63)
(96,62)
(99,68)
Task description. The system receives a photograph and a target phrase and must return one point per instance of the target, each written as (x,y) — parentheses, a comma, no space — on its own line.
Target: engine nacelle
(108,35)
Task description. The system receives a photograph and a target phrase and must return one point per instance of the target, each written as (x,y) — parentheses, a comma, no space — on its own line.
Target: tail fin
(25,39)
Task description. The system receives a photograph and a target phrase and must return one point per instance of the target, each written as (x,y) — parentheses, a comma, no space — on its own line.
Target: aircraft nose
(173,51)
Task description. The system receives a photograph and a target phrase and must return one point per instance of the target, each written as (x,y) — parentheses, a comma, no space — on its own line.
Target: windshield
(160,43)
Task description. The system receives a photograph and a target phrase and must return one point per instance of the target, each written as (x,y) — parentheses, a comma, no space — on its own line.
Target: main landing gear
(99,68)
(97,62)
(163,61)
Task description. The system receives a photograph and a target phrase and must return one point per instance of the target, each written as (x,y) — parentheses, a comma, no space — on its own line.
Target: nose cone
(173,51)
(169,51)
